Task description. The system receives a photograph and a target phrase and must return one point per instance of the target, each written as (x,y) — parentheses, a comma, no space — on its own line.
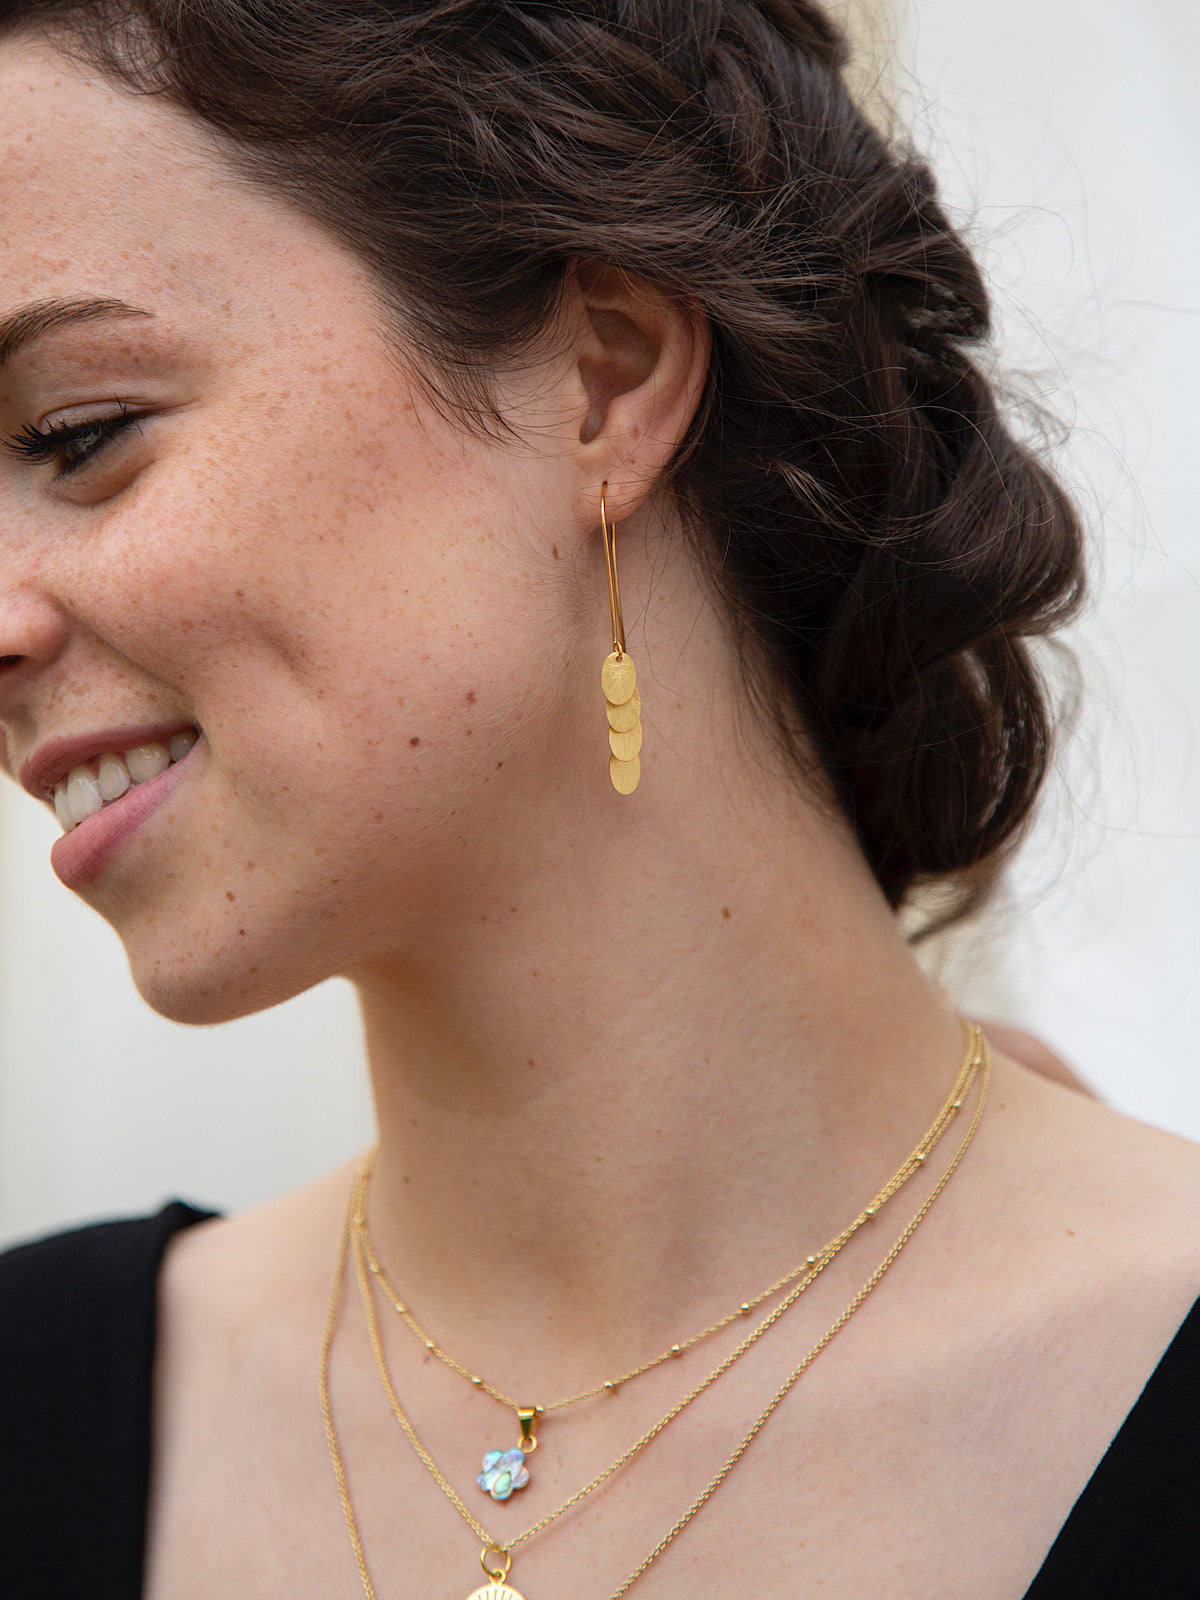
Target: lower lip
(79,857)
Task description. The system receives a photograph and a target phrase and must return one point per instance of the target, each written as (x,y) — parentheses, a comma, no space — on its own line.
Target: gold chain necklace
(494,1551)
(506,1471)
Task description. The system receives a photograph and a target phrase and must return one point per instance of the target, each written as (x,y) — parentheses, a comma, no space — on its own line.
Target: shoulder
(86,1267)
(1083,1234)
(1071,1155)
(77,1337)
(225,1282)
(79,1307)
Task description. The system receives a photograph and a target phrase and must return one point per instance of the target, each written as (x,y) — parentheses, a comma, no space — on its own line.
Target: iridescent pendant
(504,1472)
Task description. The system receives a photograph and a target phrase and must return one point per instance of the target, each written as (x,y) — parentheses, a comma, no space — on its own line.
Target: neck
(612,1104)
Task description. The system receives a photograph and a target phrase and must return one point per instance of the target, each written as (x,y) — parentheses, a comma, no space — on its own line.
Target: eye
(71,444)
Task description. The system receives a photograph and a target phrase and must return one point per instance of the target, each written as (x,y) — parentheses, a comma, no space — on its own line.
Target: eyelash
(56,441)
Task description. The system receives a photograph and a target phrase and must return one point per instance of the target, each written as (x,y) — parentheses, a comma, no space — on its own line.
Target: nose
(33,633)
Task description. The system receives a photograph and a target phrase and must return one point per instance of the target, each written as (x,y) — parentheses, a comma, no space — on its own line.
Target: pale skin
(632,1058)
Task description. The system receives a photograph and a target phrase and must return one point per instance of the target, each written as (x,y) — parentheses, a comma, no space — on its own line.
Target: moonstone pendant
(504,1471)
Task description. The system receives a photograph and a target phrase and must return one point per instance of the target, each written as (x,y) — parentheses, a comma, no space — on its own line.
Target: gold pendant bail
(499,1554)
(527,1416)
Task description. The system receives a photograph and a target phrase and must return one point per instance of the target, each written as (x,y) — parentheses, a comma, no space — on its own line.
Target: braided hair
(882,541)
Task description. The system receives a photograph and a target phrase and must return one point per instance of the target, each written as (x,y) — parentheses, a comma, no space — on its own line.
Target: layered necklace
(505,1470)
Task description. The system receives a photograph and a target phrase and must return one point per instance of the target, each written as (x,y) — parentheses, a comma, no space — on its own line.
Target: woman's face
(251,527)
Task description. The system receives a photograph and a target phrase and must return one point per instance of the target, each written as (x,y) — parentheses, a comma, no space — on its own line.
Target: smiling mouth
(95,784)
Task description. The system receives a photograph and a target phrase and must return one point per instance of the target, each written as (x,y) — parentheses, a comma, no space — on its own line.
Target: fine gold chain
(798,1372)
(331,1438)
(919,1155)
(916,1159)
(978,1056)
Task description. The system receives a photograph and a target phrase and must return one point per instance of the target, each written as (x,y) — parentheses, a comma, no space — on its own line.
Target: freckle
(499,764)
(724,911)
(470,697)
(468,733)
(513,909)
(229,894)
(400,701)
(241,933)
(554,551)
(239,594)
(248,865)
(529,1061)
(414,741)
(533,974)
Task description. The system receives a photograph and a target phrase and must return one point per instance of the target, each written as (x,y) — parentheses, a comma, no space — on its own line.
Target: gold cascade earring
(618,678)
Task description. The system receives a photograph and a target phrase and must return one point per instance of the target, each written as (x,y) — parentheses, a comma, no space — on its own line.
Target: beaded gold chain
(505,1471)
(496,1557)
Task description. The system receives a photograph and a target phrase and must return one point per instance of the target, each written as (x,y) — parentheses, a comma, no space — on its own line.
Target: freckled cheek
(189,581)
(308,626)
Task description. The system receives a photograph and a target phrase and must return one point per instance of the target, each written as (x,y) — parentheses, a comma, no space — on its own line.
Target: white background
(1069,142)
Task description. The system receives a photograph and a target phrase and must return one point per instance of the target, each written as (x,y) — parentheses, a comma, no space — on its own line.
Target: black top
(77,1319)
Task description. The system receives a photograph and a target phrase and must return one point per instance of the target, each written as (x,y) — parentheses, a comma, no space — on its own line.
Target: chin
(202,986)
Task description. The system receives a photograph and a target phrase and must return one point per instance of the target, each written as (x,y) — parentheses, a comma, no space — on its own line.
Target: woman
(502,503)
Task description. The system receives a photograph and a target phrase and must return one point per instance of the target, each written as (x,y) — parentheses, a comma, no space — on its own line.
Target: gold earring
(619,679)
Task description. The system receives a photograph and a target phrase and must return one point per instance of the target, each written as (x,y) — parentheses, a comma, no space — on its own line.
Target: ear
(641,361)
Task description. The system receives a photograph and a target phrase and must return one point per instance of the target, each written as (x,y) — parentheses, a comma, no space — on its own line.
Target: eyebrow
(23,326)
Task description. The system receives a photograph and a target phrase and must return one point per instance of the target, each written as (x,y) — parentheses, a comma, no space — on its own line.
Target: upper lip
(50,763)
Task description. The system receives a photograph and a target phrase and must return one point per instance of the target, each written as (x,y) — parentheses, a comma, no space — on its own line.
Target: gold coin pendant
(624,718)
(495,1591)
(625,746)
(625,775)
(618,679)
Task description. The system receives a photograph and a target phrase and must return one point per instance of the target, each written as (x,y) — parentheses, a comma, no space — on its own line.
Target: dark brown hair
(884,540)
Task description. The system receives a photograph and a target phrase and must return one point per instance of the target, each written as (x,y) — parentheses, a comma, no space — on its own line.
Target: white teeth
(62,810)
(83,792)
(147,761)
(83,795)
(114,777)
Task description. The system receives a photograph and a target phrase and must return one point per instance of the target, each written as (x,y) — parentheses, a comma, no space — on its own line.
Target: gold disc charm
(625,775)
(618,678)
(625,718)
(625,746)
(497,1588)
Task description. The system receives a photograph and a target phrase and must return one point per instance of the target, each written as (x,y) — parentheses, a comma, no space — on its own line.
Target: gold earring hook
(618,677)
(610,560)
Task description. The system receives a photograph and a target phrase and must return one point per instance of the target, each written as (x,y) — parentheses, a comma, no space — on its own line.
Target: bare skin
(1035,1054)
(632,1058)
